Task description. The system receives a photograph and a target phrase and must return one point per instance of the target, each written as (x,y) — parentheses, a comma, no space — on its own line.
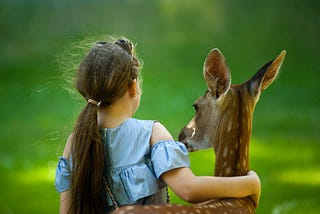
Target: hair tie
(93,102)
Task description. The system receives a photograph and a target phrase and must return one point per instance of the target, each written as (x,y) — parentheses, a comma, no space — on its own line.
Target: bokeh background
(38,107)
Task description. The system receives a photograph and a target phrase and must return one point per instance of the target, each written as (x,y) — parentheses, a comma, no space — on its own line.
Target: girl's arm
(65,197)
(65,202)
(194,189)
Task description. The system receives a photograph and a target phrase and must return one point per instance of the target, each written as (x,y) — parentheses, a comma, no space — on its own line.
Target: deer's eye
(196,107)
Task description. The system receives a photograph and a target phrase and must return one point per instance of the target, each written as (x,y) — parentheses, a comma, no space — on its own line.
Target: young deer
(223,119)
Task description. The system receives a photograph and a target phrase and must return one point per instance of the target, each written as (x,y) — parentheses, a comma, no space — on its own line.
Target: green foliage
(38,105)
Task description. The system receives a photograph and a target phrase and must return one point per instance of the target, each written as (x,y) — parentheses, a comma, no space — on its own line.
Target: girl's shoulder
(159,133)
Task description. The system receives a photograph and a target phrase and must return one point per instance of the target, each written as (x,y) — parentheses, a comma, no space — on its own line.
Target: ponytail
(87,161)
(104,76)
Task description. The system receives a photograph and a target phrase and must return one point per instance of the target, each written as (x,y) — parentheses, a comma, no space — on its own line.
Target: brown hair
(104,75)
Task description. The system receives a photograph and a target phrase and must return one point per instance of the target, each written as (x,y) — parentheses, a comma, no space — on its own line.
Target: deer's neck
(232,144)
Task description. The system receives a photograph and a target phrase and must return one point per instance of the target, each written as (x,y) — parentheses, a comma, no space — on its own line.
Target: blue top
(133,167)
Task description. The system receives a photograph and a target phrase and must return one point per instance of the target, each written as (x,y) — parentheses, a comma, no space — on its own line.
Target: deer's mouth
(185,134)
(190,146)
(185,137)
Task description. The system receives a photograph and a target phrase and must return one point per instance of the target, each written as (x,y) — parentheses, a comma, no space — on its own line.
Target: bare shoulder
(159,133)
(67,148)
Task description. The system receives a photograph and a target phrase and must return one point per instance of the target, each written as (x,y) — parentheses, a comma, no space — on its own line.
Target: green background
(40,42)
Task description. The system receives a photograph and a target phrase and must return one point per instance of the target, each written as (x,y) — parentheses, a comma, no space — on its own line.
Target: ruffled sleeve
(167,155)
(133,182)
(63,175)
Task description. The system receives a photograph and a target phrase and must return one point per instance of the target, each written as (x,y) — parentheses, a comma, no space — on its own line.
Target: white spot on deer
(224,163)
(230,204)
(238,165)
(236,146)
(212,206)
(228,170)
(225,152)
(229,126)
(244,163)
(240,140)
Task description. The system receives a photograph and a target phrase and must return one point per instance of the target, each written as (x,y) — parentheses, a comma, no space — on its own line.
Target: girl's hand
(257,188)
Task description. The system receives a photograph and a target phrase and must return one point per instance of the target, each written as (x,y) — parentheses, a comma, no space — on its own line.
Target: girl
(111,159)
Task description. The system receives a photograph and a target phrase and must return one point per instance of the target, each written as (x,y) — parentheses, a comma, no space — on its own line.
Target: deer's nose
(185,134)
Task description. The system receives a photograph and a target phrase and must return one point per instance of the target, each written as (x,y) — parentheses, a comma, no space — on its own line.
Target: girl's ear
(133,89)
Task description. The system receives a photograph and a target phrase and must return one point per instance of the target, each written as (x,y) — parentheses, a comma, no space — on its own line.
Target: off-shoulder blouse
(133,168)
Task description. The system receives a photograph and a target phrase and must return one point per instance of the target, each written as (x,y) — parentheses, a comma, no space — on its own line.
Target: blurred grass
(173,39)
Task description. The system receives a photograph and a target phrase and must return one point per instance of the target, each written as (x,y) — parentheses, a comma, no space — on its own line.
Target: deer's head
(224,113)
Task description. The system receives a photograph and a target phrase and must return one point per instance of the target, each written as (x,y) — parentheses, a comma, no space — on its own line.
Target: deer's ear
(216,73)
(265,76)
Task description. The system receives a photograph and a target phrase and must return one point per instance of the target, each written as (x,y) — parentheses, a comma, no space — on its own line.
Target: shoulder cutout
(159,133)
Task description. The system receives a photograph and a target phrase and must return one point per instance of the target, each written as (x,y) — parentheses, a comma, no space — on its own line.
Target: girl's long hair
(104,75)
